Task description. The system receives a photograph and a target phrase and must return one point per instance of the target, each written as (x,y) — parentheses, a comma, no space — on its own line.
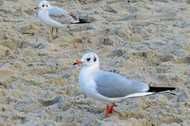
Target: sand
(146,40)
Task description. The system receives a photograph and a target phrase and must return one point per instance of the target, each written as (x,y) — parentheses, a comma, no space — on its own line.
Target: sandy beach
(146,40)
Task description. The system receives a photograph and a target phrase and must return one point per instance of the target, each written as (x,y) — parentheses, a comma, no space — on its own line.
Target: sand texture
(146,40)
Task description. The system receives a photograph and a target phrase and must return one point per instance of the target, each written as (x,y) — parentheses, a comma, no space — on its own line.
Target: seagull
(110,87)
(56,17)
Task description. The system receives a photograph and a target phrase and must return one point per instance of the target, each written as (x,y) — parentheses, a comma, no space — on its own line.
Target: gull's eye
(46,5)
(43,5)
(95,59)
(88,59)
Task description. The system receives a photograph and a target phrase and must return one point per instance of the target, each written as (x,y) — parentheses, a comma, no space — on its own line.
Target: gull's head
(88,60)
(44,5)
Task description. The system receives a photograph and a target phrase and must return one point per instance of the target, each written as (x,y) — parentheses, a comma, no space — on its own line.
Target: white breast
(87,84)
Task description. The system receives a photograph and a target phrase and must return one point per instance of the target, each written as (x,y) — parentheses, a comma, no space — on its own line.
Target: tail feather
(160,89)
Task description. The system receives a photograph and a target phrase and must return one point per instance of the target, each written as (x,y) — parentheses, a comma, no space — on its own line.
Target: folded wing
(113,85)
(62,16)
(56,11)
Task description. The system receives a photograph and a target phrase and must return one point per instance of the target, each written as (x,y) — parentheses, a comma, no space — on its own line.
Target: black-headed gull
(56,17)
(110,87)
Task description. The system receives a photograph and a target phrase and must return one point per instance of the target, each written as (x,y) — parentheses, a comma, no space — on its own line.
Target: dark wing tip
(81,21)
(160,89)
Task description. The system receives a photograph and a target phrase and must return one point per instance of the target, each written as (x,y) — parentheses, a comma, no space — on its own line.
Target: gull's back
(56,11)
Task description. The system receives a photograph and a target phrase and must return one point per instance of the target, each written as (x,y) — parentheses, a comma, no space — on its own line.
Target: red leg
(109,109)
(106,113)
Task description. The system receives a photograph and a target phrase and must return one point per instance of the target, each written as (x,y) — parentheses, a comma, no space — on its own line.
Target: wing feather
(56,11)
(114,85)
(61,15)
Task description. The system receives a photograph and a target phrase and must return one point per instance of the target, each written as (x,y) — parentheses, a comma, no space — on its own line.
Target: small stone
(1,2)
(56,100)
(164,1)
(166,58)
(188,1)
(182,96)
(4,51)
(107,41)
(29,29)
(186,59)
(118,53)
(110,9)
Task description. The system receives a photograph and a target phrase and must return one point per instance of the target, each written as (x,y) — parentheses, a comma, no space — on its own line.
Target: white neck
(91,69)
(86,79)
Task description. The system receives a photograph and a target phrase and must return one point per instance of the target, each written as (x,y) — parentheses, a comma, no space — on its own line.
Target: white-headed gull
(110,87)
(56,17)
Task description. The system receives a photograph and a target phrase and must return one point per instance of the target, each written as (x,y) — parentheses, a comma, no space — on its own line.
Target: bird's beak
(77,62)
(36,8)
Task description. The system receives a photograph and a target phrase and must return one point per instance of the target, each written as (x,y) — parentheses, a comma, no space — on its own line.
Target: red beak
(77,62)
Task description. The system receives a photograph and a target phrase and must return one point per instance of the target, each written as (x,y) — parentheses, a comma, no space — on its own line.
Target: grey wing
(56,11)
(114,85)
(61,15)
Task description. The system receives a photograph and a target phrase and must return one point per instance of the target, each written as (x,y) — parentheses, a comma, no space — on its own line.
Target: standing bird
(56,17)
(110,87)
